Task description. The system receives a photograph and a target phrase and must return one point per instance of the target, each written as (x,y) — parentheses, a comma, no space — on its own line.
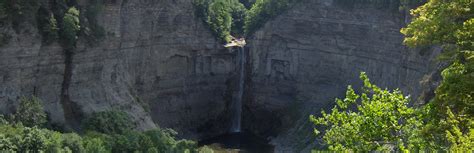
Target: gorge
(162,65)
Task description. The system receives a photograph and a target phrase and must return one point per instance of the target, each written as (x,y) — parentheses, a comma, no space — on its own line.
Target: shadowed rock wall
(158,62)
(306,57)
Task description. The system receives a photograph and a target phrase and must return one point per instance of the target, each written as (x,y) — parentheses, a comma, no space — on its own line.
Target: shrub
(47,25)
(152,150)
(94,145)
(224,17)
(185,146)
(109,122)
(3,121)
(109,140)
(205,149)
(30,112)
(162,139)
(54,141)
(31,139)
(17,138)
(7,144)
(220,19)
(73,141)
(382,119)
(71,27)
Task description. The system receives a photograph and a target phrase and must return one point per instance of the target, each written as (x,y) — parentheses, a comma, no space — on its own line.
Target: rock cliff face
(158,62)
(161,65)
(302,60)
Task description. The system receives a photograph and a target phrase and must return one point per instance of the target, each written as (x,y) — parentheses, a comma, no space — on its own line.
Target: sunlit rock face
(305,58)
(158,62)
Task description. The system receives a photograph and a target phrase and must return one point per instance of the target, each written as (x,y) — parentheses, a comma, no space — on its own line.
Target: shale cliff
(304,59)
(159,63)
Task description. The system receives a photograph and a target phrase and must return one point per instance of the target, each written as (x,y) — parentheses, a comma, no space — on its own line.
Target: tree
(73,141)
(30,112)
(109,122)
(449,24)
(95,145)
(382,119)
(220,19)
(71,27)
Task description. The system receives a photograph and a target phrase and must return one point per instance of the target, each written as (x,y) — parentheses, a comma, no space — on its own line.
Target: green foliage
(264,10)
(71,27)
(231,17)
(73,141)
(30,112)
(164,141)
(449,24)
(224,17)
(17,138)
(47,25)
(446,122)
(205,149)
(382,118)
(94,145)
(109,122)
(450,114)
(438,28)
(220,19)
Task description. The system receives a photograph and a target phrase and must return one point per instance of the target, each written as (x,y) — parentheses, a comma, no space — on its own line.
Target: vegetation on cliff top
(383,120)
(232,17)
(59,20)
(243,17)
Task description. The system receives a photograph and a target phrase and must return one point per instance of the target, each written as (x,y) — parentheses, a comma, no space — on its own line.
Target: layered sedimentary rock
(305,58)
(158,62)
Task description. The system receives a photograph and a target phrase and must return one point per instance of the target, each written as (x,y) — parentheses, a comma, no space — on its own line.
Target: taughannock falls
(258,76)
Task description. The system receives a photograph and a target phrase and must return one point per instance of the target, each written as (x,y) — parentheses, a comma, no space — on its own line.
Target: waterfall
(237,104)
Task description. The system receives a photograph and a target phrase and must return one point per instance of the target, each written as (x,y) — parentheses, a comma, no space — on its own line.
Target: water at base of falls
(237,104)
(241,142)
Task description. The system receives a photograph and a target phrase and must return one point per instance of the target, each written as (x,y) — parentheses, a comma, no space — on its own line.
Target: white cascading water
(237,104)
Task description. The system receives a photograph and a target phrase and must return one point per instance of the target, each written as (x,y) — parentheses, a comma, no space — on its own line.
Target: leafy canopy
(109,122)
(382,117)
(18,138)
(449,24)
(71,27)
(30,112)
(231,17)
